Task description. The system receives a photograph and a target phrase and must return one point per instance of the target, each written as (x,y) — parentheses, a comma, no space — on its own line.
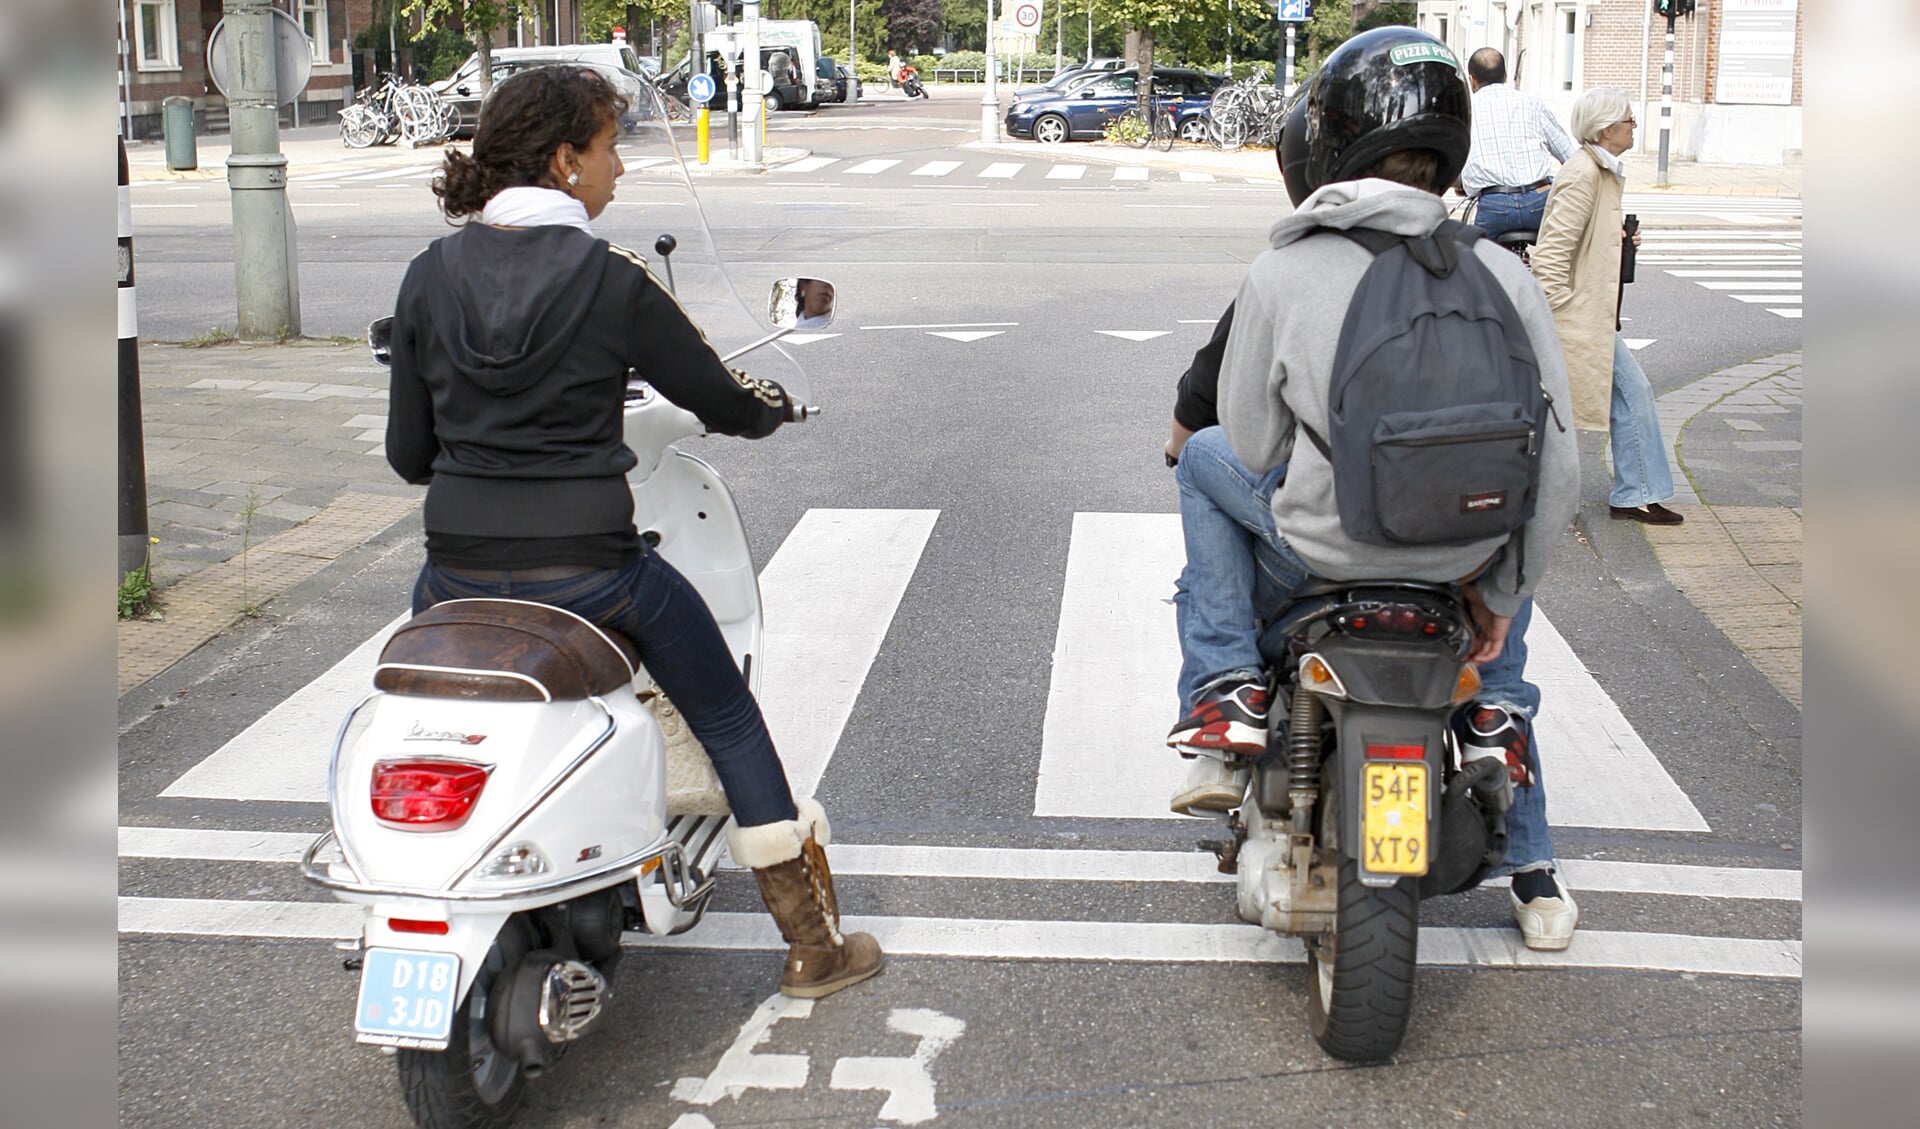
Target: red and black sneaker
(1492,732)
(1230,720)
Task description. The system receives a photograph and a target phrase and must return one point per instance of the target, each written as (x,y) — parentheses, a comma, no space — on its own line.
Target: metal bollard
(133,456)
(176,123)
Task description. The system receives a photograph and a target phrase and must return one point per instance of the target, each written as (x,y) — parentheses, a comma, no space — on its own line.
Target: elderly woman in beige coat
(1577,261)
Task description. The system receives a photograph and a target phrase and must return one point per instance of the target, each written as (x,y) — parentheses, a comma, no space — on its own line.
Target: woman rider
(512,339)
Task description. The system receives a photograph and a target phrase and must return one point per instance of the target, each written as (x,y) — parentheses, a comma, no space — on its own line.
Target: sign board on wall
(1757,41)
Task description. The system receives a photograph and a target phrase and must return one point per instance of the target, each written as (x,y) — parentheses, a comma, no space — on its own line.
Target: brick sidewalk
(1735,436)
(264,462)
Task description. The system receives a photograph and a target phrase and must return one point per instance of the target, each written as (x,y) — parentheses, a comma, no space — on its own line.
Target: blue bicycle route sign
(700,88)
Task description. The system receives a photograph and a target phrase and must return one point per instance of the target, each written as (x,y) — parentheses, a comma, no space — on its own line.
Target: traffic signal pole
(1666,104)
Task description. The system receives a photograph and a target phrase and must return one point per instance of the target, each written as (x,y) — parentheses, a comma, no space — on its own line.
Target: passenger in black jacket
(512,340)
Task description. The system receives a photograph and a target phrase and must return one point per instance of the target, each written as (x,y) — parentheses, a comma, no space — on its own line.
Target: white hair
(1597,109)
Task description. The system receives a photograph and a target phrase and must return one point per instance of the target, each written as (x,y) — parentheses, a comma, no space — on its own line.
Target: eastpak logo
(1481,503)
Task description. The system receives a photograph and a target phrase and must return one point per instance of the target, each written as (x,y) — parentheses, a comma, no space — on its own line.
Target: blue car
(1080,112)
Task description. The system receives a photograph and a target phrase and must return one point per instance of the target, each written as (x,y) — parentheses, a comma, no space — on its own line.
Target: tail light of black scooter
(1400,621)
(426,795)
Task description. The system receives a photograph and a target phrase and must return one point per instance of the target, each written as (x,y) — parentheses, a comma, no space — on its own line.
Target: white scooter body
(575,795)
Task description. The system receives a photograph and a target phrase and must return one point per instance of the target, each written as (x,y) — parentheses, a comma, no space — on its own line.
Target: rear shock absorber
(1303,756)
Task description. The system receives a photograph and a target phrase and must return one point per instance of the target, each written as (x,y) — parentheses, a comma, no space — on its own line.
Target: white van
(803,37)
(462,87)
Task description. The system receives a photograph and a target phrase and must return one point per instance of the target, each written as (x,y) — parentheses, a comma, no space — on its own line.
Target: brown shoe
(798,890)
(1654,514)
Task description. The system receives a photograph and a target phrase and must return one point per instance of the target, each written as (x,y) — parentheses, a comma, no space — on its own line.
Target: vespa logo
(418,733)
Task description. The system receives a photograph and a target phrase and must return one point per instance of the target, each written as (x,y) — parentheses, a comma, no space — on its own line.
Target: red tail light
(409,925)
(426,795)
(1397,752)
(1391,619)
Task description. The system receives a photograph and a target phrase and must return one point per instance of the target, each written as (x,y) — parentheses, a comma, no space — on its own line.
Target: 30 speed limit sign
(1026,15)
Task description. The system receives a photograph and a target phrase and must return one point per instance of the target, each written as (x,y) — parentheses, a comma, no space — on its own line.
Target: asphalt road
(1008,437)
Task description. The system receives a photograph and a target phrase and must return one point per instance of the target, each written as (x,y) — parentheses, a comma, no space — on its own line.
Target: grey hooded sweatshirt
(1279,365)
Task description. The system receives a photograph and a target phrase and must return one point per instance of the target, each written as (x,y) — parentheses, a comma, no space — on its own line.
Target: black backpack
(1436,405)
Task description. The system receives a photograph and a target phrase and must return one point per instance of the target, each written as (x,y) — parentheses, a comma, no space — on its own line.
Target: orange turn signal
(1316,676)
(1467,685)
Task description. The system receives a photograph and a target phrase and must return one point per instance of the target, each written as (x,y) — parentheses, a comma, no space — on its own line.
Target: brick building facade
(164,53)
(1737,96)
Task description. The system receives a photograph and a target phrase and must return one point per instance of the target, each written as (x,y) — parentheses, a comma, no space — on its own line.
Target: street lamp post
(990,102)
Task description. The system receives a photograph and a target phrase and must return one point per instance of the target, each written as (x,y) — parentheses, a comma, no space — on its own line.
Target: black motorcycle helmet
(1382,91)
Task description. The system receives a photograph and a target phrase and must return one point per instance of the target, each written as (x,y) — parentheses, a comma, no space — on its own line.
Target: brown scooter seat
(503,650)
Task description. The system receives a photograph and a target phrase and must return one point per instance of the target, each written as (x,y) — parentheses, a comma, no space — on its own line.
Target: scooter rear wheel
(1360,976)
(473,1084)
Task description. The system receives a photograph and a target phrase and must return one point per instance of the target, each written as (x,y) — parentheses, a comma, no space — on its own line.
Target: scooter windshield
(657,213)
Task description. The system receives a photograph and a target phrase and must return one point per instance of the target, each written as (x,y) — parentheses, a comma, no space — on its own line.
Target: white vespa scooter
(516,793)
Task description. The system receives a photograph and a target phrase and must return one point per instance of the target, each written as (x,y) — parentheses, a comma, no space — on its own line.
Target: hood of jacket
(514,299)
(1382,205)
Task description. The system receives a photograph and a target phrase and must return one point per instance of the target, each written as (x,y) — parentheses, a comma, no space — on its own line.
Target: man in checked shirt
(1513,135)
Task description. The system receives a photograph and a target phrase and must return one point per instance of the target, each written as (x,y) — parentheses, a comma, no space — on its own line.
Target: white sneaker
(1547,920)
(1211,787)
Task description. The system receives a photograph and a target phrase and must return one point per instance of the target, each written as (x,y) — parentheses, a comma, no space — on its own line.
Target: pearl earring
(573,180)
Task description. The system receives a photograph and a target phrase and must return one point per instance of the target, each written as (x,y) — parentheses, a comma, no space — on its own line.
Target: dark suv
(1081,112)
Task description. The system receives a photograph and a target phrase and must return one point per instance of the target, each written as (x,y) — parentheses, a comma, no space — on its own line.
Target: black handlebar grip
(665,245)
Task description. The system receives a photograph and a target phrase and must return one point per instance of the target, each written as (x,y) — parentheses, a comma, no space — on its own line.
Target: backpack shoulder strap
(1376,242)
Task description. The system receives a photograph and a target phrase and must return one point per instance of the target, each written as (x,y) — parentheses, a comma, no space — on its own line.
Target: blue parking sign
(1295,11)
(700,88)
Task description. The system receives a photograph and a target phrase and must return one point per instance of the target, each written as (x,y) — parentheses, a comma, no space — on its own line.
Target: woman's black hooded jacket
(510,355)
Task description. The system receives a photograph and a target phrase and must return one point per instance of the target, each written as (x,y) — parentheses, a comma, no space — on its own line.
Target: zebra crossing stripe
(869,168)
(1033,864)
(1066,172)
(1130,172)
(935,168)
(829,595)
(807,164)
(994,939)
(1001,170)
(1189,177)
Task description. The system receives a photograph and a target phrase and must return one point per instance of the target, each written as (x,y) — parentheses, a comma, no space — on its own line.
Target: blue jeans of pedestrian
(1236,562)
(1503,683)
(1641,473)
(650,603)
(1500,212)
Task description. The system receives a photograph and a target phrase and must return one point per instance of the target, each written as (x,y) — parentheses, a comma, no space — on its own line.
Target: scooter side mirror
(380,339)
(801,303)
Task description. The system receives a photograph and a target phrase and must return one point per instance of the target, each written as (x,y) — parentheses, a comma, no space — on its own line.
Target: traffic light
(1669,9)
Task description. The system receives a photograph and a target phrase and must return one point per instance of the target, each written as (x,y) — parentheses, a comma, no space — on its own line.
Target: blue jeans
(1498,213)
(1240,569)
(650,603)
(1236,561)
(1641,473)
(1503,683)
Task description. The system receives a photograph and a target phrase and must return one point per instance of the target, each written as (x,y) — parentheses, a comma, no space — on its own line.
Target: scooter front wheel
(473,1084)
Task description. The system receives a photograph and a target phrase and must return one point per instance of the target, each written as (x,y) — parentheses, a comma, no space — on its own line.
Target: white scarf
(1612,163)
(530,206)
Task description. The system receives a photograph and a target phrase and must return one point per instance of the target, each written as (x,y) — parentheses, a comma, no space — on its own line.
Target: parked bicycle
(395,110)
(1249,111)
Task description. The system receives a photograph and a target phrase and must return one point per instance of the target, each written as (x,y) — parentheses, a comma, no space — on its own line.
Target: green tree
(1387,15)
(1171,18)
(598,18)
(476,18)
(1331,25)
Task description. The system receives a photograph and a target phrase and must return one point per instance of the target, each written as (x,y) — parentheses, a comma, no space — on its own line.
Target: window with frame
(156,36)
(1569,45)
(313,21)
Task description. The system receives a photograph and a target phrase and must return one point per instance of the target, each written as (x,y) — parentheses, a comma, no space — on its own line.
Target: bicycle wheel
(1165,132)
(357,128)
(1132,128)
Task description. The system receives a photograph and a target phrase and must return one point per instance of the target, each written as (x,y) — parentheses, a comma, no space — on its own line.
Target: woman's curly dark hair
(523,121)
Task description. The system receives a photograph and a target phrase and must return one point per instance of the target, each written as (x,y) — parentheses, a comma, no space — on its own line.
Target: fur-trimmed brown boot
(789,860)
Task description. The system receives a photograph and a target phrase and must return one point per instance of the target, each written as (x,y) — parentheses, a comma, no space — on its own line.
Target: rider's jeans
(1234,558)
(1239,569)
(1503,683)
(1498,213)
(1641,473)
(650,603)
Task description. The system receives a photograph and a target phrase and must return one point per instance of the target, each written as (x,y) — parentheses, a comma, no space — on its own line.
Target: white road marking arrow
(807,338)
(908,1081)
(968,336)
(1135,334)
(1639,343)
(740,1070)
